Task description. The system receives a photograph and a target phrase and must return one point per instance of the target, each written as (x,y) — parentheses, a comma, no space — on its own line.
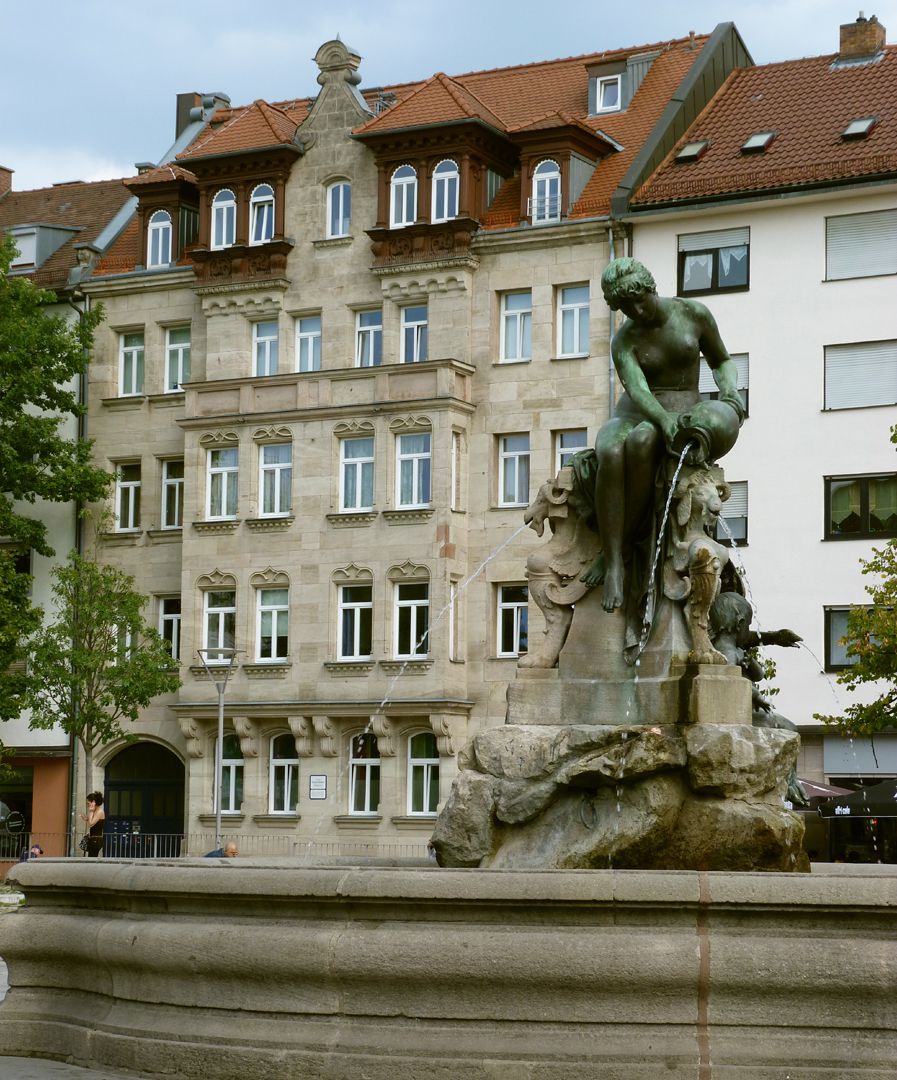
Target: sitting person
(229,851)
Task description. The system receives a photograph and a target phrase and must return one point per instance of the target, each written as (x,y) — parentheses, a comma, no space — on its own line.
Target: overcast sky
(89,87)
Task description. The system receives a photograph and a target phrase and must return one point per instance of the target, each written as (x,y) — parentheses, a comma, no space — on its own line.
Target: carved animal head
(550,502)
(700,497)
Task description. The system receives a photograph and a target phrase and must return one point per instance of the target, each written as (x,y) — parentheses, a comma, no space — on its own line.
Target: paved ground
(35,1069)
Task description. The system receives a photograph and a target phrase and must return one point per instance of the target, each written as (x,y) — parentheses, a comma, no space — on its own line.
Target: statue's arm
(725,374)
(633,378)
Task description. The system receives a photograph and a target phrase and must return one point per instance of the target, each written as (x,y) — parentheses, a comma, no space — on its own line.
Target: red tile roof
(808,103)
(161,174)
(440,100)
(254,127)
(124,254)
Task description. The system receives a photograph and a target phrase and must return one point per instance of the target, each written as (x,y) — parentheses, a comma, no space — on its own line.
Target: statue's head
(624,278)
(730,613)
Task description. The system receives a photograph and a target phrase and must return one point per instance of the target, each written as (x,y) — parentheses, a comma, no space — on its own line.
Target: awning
(817,790)
(878,801)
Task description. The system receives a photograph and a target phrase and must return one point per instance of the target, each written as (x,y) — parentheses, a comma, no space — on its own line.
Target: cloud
(42,166)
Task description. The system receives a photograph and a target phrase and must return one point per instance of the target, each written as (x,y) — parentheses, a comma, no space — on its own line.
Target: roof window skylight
(758,142)
(858,129)
(692,150)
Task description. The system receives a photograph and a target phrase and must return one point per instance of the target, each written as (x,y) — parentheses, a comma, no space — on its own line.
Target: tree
(99,663)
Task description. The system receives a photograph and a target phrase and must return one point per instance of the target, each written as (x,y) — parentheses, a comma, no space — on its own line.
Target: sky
(89,88)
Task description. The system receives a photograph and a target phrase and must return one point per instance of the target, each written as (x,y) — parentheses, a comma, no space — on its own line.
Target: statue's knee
(642,441)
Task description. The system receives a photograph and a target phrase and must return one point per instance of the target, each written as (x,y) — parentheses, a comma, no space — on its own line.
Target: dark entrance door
(144,803)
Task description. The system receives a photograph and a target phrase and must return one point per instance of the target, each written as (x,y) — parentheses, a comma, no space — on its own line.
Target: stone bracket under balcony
(425,246)
(249,264)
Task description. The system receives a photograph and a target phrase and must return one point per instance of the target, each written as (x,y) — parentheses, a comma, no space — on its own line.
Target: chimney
(185,102)
(861,39)
(5,180)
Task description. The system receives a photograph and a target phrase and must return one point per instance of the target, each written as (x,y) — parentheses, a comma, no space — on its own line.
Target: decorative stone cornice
(352,520)
(405,667)
(216,579)
(408,517)
(352,572)
(270,524)
(219,437)
(438,247)
(243,265)
(266,671)
(272,433)
(349,668)
(216,528)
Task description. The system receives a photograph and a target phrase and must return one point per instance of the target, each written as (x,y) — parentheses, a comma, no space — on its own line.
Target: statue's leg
(610,504)
(643,449)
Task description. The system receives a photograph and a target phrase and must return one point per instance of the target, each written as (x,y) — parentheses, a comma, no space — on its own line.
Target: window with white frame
(607,93)
(223,474)
(368,338)
(573,320)
(456,640)
(308,343)
(513,470)
(712,262)
(861,245)
(219,623)
(413,467)
(357,473)
(445,191)
(423,774)
(127,497)
(231,775)
(708,389)
(403,197)
(545,204)
(364,774)
(414,334)
(283,786)
(512,620)
(158,239)
(224,219)
(456,471)
(275,478)
(273,624)
(130,353)
(732,526)
(339,209)
(516,326)
(861,374)
(356,609)
(412,619)
(177,358)
(261,214)
(173,493)
(264,347)
(170,624)
(568,443)
(25,248)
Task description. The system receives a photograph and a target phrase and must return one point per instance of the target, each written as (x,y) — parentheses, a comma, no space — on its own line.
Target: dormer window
(224,219)
(692,151)
(26,249)
(158,239)
(261,214)
(545,204)
(403,197)
(859,129)
(758,142)
(607,96)
(445,191)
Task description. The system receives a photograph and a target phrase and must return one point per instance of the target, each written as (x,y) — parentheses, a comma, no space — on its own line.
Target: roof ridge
(458,92)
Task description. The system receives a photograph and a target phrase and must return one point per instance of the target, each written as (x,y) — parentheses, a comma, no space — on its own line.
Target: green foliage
(99,663)
(18,621)
(769,669)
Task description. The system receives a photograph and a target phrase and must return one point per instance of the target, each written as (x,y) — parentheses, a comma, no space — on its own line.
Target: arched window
(364,774)
(445,191)
(283,785)
(261,214)
(339,209)
(231,776)
(545,204)
(403,199)
(224,219)
(423,773)
(158,240)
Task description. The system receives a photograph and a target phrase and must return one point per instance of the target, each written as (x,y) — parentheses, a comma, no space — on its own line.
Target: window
(261,214)
(276,478)
(545,204)
(513,469)
(357,474)
(512,619)
(423,773)
(714,261)
(272,629)
(356,605)
(860,375)
(308,343)
(445,191)
(158,239)
(264,347)
(403,197)
(173,493)
(283,790)
(858,507)
(494,181)
(861,245)
(707,386)
(25,248)
(130,364)
(222,483)
(758,142)
(692,151)
(220,622)
(339,209)
(516,326)
(224,219)
(413,470)
(456,640)
(127,497)
(568,443)
(836,658)
(859,129)
(231,775)
(732,526)
(607,97)
(368,338)
(364,774)
(414,334)
(170,623)
(177,358)
(573,320)
(412,620)
(455,477)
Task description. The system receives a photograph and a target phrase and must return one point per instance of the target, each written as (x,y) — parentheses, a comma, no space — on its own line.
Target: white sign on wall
(317,786)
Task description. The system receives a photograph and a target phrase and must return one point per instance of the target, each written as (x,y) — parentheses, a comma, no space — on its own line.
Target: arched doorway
(144,802)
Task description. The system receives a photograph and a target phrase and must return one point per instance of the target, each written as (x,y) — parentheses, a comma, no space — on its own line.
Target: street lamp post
(218,663)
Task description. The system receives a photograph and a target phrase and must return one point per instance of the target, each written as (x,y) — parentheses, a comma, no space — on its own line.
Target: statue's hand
(669,427)
(786,638)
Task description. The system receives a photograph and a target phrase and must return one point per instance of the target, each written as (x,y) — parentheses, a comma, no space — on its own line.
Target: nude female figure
(656,353)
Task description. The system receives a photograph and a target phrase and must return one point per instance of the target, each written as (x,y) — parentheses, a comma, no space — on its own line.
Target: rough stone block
(739,760)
